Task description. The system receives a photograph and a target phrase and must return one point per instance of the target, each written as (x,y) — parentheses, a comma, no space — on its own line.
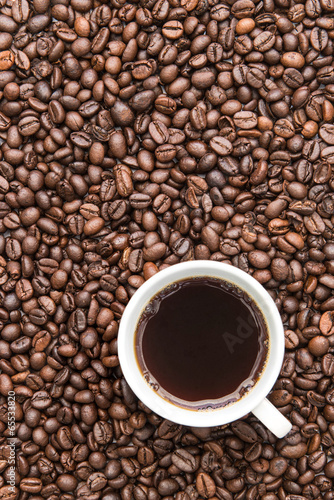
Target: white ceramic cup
(253,401)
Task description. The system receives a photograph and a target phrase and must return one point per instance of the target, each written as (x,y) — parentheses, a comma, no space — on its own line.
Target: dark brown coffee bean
(184,461)
(255,78)
(31,485)
(97,481)
(326,133)
(140,201)
(41,400)
(136,261)
(28,126)
(221,146)
(159,132)
(259,259)
(245,432)
(328,364)
(264,41)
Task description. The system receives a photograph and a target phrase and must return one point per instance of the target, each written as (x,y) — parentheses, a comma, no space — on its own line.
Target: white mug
(255,399)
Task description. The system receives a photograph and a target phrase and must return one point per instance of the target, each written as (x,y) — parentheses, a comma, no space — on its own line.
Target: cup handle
(272,418)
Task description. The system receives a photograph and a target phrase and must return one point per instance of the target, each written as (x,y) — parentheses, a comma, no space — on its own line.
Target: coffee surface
(202,339)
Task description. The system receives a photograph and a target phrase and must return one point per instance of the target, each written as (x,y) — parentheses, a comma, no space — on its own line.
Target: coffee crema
(201,343)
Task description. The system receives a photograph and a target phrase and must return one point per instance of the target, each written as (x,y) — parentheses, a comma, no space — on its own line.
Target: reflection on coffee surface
(201,343)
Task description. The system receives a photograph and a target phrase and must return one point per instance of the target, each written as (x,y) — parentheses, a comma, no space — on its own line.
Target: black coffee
(201,342)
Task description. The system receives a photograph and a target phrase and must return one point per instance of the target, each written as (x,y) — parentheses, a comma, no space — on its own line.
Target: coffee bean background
(135,135)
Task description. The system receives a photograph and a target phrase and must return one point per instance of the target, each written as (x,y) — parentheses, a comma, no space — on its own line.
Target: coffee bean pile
(135,135)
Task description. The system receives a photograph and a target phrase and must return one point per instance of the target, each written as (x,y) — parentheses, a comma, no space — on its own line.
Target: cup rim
(167,409)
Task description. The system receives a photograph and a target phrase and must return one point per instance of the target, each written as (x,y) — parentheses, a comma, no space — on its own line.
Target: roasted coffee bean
(221,146)
(184,461)
(28,126)
(245,432)
(31,485)
(205,485)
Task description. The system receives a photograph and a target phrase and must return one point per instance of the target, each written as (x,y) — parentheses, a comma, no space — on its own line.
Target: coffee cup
(253,400)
